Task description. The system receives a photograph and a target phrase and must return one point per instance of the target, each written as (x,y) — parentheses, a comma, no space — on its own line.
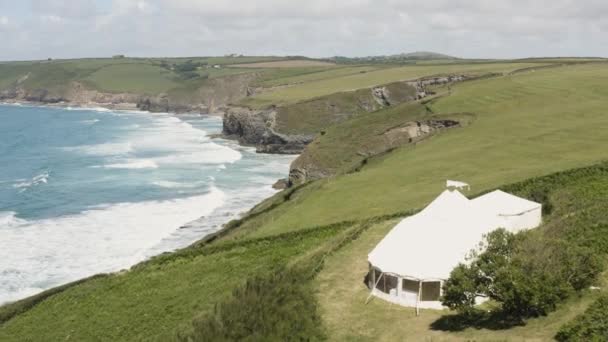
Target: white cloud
(468,28)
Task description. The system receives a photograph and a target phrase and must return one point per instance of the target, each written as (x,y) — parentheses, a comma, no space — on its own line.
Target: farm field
(286,64)
(316,88)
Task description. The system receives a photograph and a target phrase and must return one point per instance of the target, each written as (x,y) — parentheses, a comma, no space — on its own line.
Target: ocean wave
(90,122)
(170,139)
(42,178)
(107,149)
(103,239)
(178,185)
(132,164)
(9,219)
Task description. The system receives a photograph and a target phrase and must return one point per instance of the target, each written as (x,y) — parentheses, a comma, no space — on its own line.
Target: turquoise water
(90,191)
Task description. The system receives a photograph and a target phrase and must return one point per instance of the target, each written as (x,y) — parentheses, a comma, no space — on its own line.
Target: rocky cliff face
(257,128)
(288,129)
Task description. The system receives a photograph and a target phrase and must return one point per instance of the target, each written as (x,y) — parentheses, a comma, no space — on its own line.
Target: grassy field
(342,293)
(138,78)
(293,63)
(303,75)
(525,125)
(321,87)
(131,75)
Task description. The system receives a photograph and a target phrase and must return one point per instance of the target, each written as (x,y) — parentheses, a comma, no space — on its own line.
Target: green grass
(137,78)
(526,125)
(342,292)
(158,298)
(313,116)
(303,75)
(130,75)
(317,88)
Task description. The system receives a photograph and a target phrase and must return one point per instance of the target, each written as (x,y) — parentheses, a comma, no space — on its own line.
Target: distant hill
(410,57)
(423,55)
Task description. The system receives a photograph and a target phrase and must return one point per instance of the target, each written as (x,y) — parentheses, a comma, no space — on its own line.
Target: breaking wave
(72,247)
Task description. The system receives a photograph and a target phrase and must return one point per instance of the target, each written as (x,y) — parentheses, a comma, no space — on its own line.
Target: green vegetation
(133,77)
(310,117)
(150,76)
(310,242)
(526,125)
(158,297)
(279,307)
(332,85)
(577,220)
(592,325)
(527,274)
(280,77)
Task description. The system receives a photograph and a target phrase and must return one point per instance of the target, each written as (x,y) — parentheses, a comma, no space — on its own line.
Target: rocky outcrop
(415,131)
(257,128)
(307,167)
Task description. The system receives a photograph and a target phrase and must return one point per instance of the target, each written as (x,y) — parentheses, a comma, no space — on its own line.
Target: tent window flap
(431,290)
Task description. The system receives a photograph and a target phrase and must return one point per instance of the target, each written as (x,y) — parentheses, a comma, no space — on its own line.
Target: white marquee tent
(409,265)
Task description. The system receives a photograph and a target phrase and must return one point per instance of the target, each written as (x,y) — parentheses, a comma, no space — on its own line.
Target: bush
(276,307)
(527,273)
(592,325)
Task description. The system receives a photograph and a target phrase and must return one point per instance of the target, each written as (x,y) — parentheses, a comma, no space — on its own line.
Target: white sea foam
(173,140)
(42,178)
(36,255)
(178,185)
(132,164)
(8,219)
(107,149)
(90,122)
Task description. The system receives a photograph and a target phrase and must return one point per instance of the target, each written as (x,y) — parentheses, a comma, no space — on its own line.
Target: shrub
(592,325)
(277,307)
(527,273)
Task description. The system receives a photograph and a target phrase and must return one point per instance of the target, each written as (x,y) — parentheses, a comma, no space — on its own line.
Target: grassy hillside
(523,125)
(578,199)
(117,75)
(321,87)
(158,298)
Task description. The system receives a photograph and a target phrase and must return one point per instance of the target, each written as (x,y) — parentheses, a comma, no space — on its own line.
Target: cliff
(206,96)
(288,129)
(257,128)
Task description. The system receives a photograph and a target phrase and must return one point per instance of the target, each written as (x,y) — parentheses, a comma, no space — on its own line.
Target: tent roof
(430,244)
(503,203)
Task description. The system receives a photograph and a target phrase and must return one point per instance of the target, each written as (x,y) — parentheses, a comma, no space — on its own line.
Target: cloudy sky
(35,29)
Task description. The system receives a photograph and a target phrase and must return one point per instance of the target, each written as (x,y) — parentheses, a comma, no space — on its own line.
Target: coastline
(201,225)
(120,107)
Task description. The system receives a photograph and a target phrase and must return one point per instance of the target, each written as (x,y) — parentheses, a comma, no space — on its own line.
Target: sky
(39,29)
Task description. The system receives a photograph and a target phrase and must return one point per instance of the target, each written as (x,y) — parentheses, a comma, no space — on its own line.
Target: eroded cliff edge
(288,129)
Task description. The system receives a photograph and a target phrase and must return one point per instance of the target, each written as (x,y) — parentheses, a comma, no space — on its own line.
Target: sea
(87,191)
